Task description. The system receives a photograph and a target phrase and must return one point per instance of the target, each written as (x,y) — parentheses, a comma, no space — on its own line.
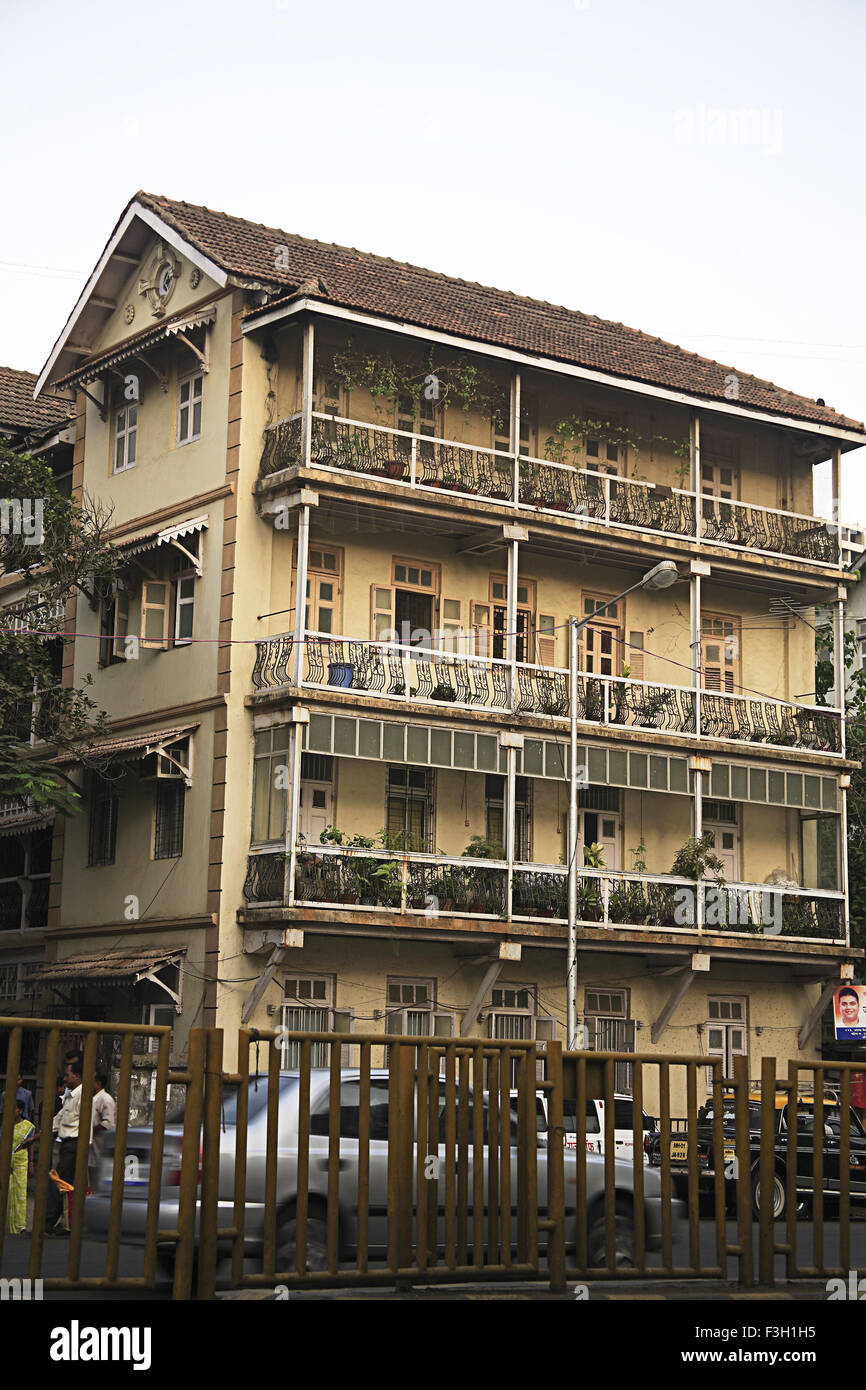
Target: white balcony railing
(526,483)
(394,671)
(428,886)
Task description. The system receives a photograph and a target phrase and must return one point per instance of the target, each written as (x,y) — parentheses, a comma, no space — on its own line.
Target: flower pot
(395,470)
(340,673)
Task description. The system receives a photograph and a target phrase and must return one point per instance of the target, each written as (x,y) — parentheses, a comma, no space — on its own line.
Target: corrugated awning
(133,747)
(115,966)
(141,342)
(25,823)
(167,536)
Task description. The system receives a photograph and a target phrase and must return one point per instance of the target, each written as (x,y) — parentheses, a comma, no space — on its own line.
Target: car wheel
(780,1196)
(596,1246)
(317,1243)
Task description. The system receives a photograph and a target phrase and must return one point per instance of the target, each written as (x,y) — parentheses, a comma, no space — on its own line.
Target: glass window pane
(196,418)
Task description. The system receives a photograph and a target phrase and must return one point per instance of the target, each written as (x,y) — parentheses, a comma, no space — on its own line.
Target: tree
(56,547)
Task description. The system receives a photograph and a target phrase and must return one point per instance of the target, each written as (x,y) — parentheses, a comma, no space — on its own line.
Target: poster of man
(849,1008)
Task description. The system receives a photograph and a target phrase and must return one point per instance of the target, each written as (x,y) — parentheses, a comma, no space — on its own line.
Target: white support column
(511,619)
(571,968)
(301,592)
(843,832)
(698,569)
(307,405)
(514,431)
(695,465)
(293,805)
(837,501)
(510,827)
(839,671)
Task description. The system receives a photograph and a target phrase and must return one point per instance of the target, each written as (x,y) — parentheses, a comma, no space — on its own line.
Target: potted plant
(442,691)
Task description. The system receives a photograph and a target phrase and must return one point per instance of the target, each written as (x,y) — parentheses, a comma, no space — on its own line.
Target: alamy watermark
(756,126)
(731,907)
(21,1290)
(22,516)
(853,1289)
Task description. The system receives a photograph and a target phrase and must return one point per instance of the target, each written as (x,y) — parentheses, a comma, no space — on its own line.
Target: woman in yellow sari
(22,1137)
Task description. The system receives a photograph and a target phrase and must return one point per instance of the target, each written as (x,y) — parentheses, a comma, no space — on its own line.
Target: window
(499,606)
(512,1016)
(25,875)
(603,456)
(409,808)
(125,433)
(9,981)
(103,825)
(495,824)
(600,641)
(324,588)
(720,652)
(307,1008)
(113,625)
(189,389)
(155,1016)
(270,784)
(168,822)
(610,1029)
(727,1032)
(410,1007)
(418,417)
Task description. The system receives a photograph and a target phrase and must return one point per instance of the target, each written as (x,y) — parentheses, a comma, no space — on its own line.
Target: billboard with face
(849,1013)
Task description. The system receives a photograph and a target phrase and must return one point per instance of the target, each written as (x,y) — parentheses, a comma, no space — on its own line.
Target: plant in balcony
(696,859)
(443,692)
(479,848)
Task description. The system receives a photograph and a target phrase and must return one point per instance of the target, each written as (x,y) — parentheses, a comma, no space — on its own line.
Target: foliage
(458,380)
(593,856)
(479,848)
(567,443)
(71,557)
(696,860)
(638,854)
(855,701)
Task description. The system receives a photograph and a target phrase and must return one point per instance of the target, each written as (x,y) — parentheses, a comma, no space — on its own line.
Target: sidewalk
(601,1291)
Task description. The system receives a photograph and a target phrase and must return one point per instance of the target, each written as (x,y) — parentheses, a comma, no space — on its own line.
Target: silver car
(137,1170)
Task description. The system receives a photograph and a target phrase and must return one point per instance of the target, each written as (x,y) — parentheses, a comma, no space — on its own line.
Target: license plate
(679,1149)
(730,1152)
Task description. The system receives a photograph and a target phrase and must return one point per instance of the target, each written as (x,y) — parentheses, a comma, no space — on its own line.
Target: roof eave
(135,211)
(262,317)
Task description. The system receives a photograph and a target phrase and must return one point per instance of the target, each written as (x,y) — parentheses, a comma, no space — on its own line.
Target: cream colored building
(452,475)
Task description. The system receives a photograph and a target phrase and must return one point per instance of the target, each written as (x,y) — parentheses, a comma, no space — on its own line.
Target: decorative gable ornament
(159,284)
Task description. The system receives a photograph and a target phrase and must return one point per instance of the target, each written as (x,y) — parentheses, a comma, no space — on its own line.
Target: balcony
(426,887)
(426,465)
(443,680)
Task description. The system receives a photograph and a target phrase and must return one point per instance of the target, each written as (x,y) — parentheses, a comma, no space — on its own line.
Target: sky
(692,170)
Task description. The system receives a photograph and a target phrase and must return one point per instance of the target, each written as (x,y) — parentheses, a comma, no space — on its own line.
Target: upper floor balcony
(424,888)
(347,667)
(596,498)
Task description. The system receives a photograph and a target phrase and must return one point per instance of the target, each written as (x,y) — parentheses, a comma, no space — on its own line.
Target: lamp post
(661,576)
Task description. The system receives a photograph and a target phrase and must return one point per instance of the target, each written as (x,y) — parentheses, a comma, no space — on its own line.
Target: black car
(704,1139)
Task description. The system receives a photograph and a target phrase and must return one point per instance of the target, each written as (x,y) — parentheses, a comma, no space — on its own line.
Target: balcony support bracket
(683,984)
(276,959)
(491,975)
(814,1016)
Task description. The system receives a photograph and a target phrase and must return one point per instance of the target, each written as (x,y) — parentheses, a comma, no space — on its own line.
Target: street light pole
(661,576)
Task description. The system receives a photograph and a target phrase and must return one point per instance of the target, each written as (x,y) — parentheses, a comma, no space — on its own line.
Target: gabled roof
(20,414)
(235,251)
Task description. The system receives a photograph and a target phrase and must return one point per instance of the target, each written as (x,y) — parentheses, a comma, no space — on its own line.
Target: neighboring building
(43,428)
(852,541)
(245,466)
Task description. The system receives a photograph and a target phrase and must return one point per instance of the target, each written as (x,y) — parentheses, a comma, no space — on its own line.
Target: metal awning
(139,343)
(112,966)
(169,535)
(134,747)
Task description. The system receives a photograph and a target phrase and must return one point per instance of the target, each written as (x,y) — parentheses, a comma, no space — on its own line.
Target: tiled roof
(108,965)
(19,411)
(371,284)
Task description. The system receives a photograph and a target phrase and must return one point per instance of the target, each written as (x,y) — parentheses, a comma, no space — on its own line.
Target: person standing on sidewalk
(22,1137)
(65,1125)
(104,1120)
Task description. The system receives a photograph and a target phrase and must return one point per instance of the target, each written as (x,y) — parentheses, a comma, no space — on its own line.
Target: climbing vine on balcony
(567,442)
(445,381)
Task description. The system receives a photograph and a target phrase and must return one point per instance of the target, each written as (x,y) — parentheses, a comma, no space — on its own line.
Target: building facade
(351,810)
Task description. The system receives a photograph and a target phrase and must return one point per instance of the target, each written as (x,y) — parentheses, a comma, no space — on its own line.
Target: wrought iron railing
(431,886)
(356,446)
(391,670)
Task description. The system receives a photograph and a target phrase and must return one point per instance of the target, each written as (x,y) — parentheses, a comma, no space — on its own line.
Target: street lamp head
(661,576)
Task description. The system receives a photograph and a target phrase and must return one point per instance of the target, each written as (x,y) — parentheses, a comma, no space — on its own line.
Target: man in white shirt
(65,1126)
(104,1119)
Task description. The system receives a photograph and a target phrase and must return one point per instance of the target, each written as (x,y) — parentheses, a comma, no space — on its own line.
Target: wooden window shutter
(634,656)
(121,622)
(480,622)
(382,621)
(155,597)
(451,626)
(545,640)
